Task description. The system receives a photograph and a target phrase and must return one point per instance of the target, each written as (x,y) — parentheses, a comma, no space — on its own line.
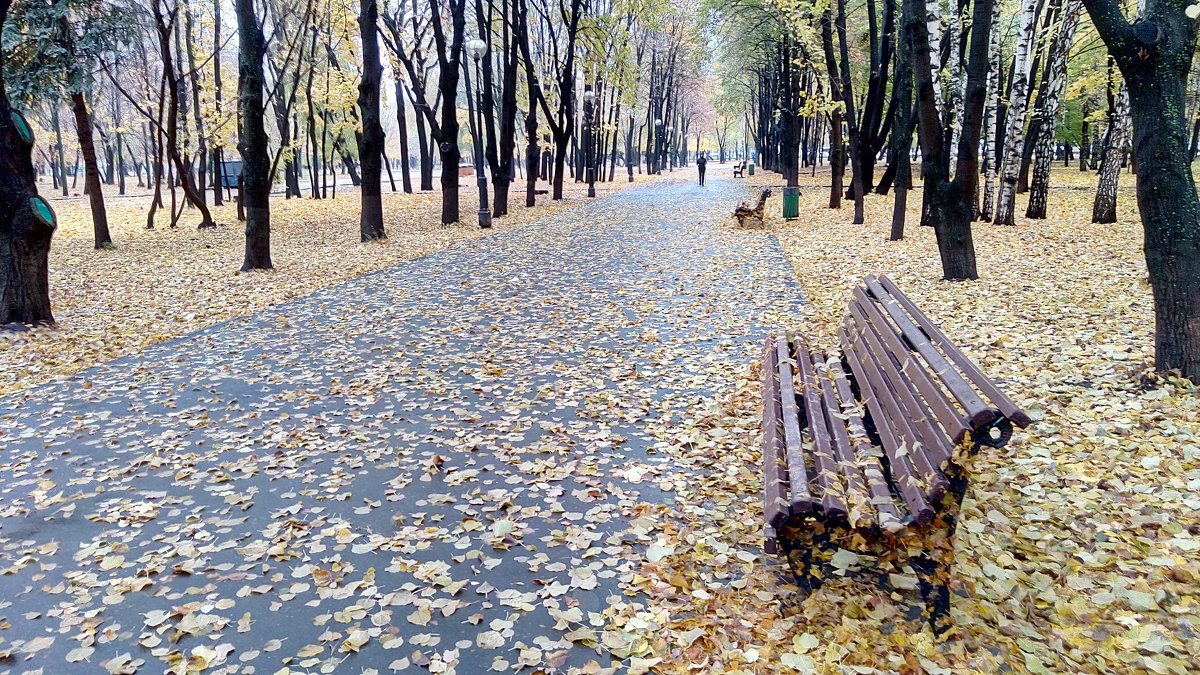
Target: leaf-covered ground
(460,463)
(162,283)
(539,452)
(1078,549)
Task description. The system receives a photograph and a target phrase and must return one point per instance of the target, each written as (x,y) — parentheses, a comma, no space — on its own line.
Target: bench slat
(978,412)
(775,506)
(965,364)
(918,373)
(903,474)
(802,500)
(911,380)
(859,510)
(865,457)
(927,446)
(832,496)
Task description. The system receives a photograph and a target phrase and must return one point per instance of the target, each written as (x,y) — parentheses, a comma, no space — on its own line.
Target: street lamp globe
(589,95)
(657,122)
(476,48)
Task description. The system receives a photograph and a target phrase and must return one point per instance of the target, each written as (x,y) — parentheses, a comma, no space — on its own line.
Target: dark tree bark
(252,141)
(951,203)
(1157,75)
(172,122)
(60,168)
(95,192)
(532,152)
(444,125)
(837,145)
(216,156)
(24,239)
(902,141)
(562,126)
(194,70)
(856,177)
(370,143)
(316,152)
(501,138)
(402,126)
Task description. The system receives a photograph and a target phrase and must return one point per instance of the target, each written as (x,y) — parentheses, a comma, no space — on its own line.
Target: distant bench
(867,452)
(739,170)
(752,217)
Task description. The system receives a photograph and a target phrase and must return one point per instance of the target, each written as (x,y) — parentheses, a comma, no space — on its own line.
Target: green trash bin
(791,202)
(750,169)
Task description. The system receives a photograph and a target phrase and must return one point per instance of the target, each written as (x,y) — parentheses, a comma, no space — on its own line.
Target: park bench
(752,217)
(739,170)
(869,452)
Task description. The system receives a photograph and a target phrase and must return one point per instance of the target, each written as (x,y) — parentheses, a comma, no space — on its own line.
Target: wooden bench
(869,451)
(739,170)
(752,217)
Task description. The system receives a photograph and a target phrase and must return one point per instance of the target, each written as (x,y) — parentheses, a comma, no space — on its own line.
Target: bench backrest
(762,199)
(922,395)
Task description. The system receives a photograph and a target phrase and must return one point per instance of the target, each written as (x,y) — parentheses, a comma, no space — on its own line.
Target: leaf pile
(1078,546)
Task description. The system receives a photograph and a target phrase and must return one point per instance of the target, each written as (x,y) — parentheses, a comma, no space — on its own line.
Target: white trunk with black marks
(991,127)
(1056,74)
(933,19)
(1104,209)
(1010,163)
(957,83)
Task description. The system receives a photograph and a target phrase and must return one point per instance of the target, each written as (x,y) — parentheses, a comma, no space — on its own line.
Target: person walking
(701,162)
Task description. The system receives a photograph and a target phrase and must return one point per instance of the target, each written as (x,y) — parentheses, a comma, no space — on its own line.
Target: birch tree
(950,203)
(991,133)
(1010,163)
(1056,78)
(1104,208)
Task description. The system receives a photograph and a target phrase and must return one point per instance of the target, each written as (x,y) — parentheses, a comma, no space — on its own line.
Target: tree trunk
(370,143)
(252,141)
(24,238)
(901,131)
(402,132)
(61,168)
(1104,208)
(1010,163)
(837,146)
(1166,190)
(83,125)
(216,154)
(426,155)
(172,121)
(951,203)
(1056,77)
(991,125)
(201,148)
(856,177)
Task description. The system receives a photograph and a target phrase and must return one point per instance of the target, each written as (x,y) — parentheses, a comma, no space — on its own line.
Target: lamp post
(589,137)
(475,50)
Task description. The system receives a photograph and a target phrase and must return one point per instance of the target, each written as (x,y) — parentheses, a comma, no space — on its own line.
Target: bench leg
(802,558)
(933,578)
